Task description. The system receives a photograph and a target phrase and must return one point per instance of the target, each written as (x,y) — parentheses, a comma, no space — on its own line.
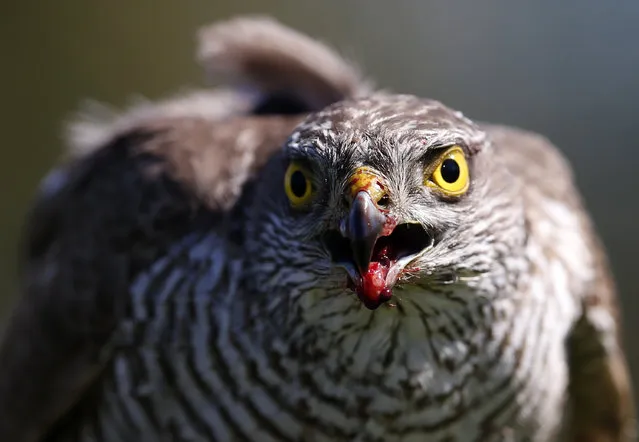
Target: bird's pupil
(298,184)
(450,170)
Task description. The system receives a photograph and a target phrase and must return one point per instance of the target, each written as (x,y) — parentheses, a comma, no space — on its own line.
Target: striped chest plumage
(461,368)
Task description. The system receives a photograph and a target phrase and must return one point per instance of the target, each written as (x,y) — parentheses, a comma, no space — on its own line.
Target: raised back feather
(281,63)
(268,68)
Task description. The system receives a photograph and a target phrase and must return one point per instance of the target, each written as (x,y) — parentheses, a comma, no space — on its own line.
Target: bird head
(375,196)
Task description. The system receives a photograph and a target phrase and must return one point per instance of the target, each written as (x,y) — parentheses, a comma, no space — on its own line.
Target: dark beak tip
(365,224)
(362,254)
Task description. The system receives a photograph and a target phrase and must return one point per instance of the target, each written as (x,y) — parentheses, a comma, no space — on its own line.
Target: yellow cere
(365,179)
(298,185)
(450,175)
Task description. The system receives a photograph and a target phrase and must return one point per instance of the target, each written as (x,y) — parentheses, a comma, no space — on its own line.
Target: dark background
(566,69)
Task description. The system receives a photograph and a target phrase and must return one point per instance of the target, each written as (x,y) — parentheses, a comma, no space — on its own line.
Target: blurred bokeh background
(569,70)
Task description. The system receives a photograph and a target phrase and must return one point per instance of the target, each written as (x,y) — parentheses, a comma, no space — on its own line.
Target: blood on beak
(370,244)
(366,221)
(364,225)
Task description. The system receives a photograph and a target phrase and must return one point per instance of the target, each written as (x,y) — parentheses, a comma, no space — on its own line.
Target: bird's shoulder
(101,220)
(556,215)
(600,390)
(536,161)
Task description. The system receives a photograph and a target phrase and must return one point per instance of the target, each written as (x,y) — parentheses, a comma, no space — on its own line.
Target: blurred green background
(569,70)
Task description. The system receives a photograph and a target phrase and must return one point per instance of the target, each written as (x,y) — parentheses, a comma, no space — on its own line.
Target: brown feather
(131,185)
(602,405)
(600,391)
(121,206)
(260,52)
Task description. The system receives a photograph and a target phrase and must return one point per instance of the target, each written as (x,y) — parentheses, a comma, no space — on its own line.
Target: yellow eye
(298,186)
(451,173)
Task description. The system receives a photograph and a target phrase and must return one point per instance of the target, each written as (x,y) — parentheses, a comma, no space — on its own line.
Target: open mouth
(389,257)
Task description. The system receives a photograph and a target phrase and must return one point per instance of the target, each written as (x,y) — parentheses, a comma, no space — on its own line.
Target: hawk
(297,255)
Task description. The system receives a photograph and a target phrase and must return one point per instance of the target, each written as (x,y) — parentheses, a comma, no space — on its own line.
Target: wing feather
(132,185)
(600,391)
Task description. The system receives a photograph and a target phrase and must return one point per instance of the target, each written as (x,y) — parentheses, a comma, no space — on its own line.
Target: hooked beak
(370,245)
(366,221)
(365,224)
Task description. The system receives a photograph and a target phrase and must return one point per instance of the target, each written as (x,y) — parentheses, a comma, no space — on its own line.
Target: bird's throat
(391,253)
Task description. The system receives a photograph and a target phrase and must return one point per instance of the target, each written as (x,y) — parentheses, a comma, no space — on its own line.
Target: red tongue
(372,290)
